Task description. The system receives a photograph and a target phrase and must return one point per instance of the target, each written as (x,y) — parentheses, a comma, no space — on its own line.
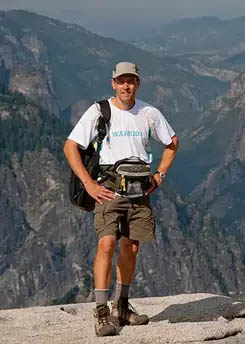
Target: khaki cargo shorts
(128,217)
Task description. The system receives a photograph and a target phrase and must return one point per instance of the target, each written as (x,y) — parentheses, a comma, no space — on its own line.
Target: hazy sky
(167,7)
(103,15)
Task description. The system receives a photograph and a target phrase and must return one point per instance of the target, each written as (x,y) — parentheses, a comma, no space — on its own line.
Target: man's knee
(129,246)
(107,245)
(135,248)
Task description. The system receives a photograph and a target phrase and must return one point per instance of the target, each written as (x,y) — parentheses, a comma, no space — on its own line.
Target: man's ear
(113,84)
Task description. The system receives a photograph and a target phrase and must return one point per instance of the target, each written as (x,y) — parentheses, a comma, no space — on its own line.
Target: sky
(169,8)
(112,17)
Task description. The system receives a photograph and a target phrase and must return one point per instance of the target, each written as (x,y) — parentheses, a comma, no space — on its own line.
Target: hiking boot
(102,322)
(123,313)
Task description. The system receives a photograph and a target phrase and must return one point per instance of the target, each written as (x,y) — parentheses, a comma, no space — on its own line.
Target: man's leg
(103,261)
(102,273)
(128,250)
(122,312)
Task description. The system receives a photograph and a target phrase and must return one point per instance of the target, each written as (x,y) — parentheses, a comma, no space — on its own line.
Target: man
(116,215)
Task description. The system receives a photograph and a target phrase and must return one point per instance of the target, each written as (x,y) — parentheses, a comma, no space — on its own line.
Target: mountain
(235,62)
(51,70)
(214,152)
(47,246)
(207,38)
(60,66)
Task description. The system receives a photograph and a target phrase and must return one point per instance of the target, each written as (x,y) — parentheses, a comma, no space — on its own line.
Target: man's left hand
(156,181)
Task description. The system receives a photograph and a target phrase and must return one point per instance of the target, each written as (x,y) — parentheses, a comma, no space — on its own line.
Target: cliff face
(37,86)
(191,251)
(44,254)
(25,60)
(222,132)
(41,256)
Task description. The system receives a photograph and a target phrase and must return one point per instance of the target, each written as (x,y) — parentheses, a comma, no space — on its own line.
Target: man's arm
(167,160)
(168,155)
(93,188)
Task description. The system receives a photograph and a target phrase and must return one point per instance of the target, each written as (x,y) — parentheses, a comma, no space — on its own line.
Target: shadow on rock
(208,309)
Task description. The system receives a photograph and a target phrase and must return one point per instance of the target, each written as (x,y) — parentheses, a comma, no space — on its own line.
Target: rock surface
(186,318)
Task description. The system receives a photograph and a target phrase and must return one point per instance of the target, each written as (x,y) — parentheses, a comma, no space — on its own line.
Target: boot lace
(127,308)
(131,309)
(103,315)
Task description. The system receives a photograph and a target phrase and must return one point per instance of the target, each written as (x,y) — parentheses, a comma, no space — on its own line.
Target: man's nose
(126,83)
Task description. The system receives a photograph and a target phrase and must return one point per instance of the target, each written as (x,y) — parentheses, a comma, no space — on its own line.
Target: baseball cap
(125,68)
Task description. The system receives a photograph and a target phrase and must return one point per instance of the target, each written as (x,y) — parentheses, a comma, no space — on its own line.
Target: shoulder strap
(105,109)
(103,120)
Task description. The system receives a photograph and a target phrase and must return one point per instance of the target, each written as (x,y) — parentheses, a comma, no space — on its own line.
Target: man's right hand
(99,192)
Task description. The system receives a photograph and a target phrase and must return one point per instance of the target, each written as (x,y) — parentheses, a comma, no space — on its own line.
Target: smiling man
(122,210)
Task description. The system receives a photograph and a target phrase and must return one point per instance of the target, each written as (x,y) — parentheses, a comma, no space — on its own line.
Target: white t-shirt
(128,134)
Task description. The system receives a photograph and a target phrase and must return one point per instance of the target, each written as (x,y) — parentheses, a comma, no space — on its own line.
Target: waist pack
(90,158)
(129,177)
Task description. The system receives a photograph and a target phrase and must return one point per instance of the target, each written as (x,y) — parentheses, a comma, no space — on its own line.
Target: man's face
(125,87)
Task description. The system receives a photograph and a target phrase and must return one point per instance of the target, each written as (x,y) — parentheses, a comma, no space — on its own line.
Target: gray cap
(125,68)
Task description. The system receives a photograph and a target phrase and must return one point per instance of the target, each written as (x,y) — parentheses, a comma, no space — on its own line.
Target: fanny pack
(129,177)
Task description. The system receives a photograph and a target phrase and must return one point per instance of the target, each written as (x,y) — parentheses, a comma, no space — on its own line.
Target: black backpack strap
(105,109)
(104,120)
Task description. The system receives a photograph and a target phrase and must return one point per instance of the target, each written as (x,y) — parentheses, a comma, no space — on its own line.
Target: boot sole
(116,322)
(109,334)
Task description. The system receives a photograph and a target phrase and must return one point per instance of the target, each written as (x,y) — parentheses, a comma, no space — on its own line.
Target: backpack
(90,158)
